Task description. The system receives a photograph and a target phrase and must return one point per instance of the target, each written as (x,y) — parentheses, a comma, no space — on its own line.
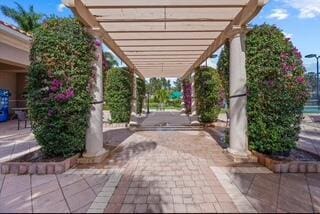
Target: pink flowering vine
(300,80)
(65,96)
(187,96)
(55,85)
(97,43)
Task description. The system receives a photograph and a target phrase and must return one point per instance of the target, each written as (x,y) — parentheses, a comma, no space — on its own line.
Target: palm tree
(26,20)
(111,59)
(162,96)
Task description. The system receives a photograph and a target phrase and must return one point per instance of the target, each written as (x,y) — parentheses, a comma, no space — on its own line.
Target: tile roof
(15,28)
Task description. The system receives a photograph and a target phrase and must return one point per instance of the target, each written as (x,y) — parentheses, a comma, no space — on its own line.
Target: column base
(133,123)
(133,119)
(194,120)
(96,158)
(241,157)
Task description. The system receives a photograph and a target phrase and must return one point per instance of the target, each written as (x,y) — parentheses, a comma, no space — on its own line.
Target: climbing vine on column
(59,78)
(141,93)
(118,94)
(277,90)
(187,95)
(209,92)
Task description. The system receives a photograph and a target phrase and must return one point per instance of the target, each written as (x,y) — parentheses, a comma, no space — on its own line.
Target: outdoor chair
(22,117)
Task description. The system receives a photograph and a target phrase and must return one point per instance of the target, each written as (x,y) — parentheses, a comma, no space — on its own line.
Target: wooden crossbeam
(164,35)
(163,3)
(175,35)
(89,20)
(247,13)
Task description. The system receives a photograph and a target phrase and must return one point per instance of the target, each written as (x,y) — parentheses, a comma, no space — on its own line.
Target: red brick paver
(169,172)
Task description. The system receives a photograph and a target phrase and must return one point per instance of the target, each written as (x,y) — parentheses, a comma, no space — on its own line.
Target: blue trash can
(4,105)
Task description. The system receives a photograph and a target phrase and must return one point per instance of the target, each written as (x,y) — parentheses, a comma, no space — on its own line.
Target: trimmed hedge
(277,90)
(209,91)
(141,93)
(118,94)
(58,86)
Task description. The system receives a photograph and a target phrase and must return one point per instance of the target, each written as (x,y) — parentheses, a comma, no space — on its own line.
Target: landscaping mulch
(297,155)
(37,156)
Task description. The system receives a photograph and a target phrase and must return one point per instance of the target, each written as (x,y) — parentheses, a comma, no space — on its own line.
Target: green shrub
(276,90)
(118,94)
(141,93)
(58,86)
(208,86)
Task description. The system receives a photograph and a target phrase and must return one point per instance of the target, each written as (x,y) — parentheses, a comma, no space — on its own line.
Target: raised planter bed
(37,165)
(309,163)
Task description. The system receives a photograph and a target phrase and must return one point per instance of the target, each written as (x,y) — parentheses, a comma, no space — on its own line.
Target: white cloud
(287,35)
(307,8)
(279,14)
(61,7)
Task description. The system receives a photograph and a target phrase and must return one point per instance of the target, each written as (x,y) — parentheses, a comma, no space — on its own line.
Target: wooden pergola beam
(247,13)
(165,33)
(103,20)
(89,20)
(163,3)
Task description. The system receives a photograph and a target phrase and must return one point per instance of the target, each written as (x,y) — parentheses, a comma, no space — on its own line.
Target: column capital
(95,31)
(237,31)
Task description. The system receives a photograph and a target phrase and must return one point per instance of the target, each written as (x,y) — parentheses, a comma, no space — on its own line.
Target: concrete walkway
(14,142)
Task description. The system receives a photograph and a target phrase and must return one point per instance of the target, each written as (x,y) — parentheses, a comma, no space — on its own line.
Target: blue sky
(299,19)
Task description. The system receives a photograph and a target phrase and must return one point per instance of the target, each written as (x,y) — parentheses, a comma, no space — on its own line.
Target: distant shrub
(118,94)
(209,91)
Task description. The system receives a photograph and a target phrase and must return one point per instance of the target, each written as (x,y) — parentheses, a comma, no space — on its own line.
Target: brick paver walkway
(310,137)
(164,171)
(169,172)
(166,119)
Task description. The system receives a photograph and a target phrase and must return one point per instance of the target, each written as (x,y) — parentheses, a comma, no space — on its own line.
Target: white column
(194,115)
(94,133)
(183,107)
(238,97)
(144,105)
(133,116)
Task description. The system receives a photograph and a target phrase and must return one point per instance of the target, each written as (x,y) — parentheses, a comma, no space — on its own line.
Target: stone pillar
(183,106)
(194,116)
(144,105)
(94,133)
(133,116)
(238,97)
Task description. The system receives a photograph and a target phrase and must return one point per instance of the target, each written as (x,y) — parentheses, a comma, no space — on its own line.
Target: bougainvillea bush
(141,93)
(118,94)
(209,91)
(187,95)
(277,90)
(59,86)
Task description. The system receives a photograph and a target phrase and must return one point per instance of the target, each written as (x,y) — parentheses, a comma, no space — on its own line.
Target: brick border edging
(39,168)
(288,166)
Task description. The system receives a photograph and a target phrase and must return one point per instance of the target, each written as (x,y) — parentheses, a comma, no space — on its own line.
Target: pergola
(170,38)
